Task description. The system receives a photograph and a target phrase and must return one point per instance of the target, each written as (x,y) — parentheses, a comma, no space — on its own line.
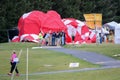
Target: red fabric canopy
(82,33)
(36,21)
(31,23)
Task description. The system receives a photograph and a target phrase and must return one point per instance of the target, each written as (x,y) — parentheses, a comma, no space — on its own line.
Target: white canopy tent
(111,25)
(117,34)
(114,26)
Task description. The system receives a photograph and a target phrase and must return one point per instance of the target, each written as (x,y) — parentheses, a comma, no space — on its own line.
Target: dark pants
(73,37)
(53,41)
(101,39)
(13,66)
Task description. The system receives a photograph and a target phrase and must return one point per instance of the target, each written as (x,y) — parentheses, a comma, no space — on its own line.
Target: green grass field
(43,60)
(108,49)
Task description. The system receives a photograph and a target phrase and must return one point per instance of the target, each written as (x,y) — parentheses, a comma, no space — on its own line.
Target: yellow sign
(93,20)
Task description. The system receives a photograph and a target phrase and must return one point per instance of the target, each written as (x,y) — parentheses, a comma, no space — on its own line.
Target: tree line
(12,10)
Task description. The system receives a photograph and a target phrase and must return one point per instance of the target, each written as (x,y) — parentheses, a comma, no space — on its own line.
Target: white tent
(117,34)
(119,24)
(116,28)
(111,25)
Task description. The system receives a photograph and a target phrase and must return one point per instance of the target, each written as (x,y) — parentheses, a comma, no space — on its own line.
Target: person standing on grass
(57,39)
(53,38)
(13,62)
(73,35)
(40,38)
(62,38)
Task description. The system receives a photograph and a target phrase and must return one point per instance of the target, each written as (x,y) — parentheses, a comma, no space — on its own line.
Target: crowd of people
(101,37)
(52,38)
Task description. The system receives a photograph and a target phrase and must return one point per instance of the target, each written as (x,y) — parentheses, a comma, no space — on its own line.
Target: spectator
(53,38)
(73,35)
(40,38)
(62,34)
(58,39)
(47,39)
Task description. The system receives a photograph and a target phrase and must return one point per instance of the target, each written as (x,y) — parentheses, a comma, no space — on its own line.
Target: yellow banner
(93,20)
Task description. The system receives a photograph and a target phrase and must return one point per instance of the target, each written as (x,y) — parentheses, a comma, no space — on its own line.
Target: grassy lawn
(40,60)
(108,49)
(43,60)
(109,74)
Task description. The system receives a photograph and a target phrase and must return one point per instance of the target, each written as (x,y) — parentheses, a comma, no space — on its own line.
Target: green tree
(67,8)
(12,10)
(108,9)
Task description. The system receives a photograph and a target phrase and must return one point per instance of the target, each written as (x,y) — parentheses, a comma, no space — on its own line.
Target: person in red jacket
(13,62)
